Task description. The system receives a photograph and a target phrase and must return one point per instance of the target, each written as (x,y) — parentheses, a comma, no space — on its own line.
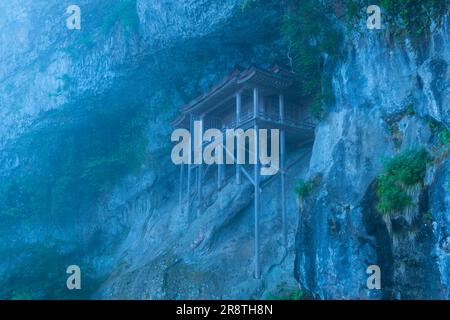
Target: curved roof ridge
(237,76)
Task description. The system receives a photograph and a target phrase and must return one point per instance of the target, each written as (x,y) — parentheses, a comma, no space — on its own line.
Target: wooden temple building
(252,98)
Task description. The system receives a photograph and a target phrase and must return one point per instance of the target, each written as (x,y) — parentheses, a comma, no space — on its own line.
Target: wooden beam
(249,177)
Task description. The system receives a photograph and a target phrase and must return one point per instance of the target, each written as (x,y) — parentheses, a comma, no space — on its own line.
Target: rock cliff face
(129,68)
(340,232)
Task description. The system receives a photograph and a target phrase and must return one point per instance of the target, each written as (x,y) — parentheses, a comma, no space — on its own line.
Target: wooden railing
(218,123)
(306,123)
(212,123)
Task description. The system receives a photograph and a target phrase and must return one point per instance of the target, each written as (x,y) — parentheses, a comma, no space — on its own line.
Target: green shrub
(412,17)
(246,4)
(284,292)
(444,136)
(408,17)
(400,173)
(440,131)
(312,35)
(304,188)
(429,215)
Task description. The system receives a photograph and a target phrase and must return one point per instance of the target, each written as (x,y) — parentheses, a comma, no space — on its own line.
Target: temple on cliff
(251,98)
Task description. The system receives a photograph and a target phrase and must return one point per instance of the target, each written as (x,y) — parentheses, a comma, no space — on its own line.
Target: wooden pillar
(257,205)
(283,170)
(223,174)
(199,188)
(181,187)
(200,171)
(283,185)
(238,107)
(189,174)
(238,120)
(281,107)
(221,167)
(257,191)
(219,176)
(255,102)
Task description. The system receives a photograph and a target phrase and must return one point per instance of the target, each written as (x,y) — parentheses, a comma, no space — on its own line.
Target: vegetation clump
(313,40)
(400,173)
(408,18)
(441,132)
(285,292)
(314,36)
(304,188)
(413,17)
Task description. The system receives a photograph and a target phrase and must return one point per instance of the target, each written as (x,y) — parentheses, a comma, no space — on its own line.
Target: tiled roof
(237,77)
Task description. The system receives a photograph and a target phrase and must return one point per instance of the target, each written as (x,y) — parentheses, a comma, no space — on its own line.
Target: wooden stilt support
(188,198)
(238,174)
(283,172)
(257,180)
(199,190)
(217,106)
(200,170)
(189,176)
(223,174)
(238,120)
(257,207)
(181,187)
(219,176)
(283,187)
